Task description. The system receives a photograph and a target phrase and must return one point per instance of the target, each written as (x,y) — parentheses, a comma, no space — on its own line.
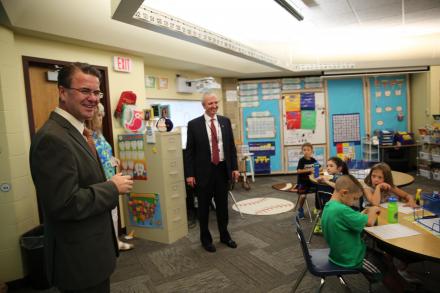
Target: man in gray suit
(76,199)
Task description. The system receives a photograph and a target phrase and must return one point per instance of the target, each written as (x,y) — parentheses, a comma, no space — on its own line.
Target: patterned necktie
(214,142)
(88,134)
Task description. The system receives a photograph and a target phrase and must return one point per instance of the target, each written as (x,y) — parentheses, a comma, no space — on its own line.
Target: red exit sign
(122,64)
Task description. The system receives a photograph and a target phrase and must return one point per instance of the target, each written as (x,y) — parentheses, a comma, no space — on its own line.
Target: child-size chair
(317,262)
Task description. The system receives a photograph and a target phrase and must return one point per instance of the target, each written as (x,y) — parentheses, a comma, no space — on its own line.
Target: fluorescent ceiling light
(376,71)
(286,4)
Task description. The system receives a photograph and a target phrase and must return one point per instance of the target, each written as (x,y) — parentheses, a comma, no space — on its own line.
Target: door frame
(29,61)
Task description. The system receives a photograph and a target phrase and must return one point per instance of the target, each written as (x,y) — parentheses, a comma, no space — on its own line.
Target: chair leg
(301,276)
(313,228)
(238,208)
(321,285)
(344,283)
(308,210)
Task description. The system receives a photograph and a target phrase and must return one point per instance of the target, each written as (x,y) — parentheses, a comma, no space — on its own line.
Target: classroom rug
(264,206)
(284,187)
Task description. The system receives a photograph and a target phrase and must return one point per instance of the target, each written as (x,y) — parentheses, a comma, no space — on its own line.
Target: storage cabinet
(370,149)
(166,178)
(428,161)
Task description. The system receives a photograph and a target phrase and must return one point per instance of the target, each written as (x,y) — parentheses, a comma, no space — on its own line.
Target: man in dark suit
(210,165)
(79,240)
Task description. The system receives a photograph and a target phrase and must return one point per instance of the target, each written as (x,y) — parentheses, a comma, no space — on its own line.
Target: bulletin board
(304,118)
(346,96)
(388,103)
(261,124)
(292,155)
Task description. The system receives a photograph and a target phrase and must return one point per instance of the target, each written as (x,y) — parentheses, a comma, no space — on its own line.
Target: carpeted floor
(268,257)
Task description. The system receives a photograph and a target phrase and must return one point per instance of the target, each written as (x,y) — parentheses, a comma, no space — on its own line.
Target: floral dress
(105,153)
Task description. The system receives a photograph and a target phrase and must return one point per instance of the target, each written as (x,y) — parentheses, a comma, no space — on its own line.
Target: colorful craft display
(133,119)
(144,210)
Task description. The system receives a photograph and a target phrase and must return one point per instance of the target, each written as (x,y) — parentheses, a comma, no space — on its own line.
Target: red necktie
(88,134)
(214,142)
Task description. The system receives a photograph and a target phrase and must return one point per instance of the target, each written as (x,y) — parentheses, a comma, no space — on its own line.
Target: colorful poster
(308,119)
(262,151)
(132,156)
(312,122)
(293,103)
(144,210)
(293,120)
(307,101)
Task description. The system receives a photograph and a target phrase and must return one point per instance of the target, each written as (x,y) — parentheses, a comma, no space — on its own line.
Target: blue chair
(323,193)
(318,264)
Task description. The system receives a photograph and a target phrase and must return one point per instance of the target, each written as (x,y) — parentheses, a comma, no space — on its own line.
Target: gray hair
(101,109)
(208,94)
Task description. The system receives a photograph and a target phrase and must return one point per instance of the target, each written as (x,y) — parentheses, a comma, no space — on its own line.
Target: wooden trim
(408,104)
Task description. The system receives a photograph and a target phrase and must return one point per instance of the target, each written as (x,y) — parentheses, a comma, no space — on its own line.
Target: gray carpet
(268,257)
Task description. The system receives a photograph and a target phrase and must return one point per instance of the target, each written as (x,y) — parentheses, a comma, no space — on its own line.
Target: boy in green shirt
(342,227)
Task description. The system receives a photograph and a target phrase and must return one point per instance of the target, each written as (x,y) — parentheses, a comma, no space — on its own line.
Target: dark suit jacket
(80,243)
(198,152)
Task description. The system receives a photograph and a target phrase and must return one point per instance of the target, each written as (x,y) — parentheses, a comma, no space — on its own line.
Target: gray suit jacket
(76,200)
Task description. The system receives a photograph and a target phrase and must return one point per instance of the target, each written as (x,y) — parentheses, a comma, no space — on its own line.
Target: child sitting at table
(342,228)
(380,186)
(304,169)
(336,167)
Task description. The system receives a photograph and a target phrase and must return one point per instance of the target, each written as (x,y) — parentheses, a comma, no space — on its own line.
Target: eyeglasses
(87,92)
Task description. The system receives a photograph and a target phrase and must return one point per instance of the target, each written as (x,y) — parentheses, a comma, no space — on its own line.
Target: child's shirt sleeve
(300,164)
(353,220)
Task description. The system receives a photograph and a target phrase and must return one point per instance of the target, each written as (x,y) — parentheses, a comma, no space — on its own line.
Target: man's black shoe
(231,243)
(209,247)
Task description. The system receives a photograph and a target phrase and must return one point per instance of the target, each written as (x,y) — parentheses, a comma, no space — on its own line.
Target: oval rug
(264,206)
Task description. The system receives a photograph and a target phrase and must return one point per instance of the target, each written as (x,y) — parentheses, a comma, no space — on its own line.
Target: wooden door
(44,95)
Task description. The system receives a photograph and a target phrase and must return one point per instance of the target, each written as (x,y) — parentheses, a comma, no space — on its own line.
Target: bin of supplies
(32,247)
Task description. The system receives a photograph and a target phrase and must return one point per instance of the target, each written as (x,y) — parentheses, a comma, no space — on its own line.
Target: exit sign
(122,64)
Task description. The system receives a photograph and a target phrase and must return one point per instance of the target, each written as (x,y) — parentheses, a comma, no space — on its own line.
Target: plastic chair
(324,193)
(318,264)
(304,193)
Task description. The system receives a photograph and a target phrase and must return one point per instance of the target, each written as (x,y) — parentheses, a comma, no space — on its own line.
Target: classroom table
(400,179)
(424,246)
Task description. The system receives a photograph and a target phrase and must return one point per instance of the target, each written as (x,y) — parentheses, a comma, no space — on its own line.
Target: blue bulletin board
(346,96)
(388,100)
(261,115)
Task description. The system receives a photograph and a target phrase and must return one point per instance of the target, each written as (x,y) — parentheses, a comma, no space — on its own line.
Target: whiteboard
(316,135)
(181,112)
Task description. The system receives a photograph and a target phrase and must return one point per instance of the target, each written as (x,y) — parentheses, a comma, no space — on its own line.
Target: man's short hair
(66,73)
(348,182)
(207,94)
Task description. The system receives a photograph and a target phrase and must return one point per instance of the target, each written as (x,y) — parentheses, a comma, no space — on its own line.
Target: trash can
(32,246)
